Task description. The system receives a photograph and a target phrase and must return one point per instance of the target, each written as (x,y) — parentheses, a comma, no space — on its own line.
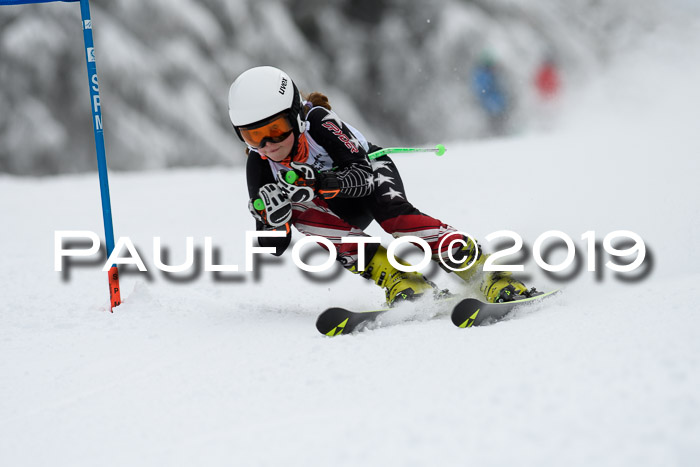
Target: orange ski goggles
(274,129)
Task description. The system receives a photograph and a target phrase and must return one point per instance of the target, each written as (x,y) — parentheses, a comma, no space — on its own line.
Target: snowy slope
(233,372)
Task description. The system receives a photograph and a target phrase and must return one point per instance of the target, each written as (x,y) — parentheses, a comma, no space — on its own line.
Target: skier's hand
(276,208)
(298,183)
(303,184)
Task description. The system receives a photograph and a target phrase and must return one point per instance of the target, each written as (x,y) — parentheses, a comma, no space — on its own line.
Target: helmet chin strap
(300,151)
(301,122)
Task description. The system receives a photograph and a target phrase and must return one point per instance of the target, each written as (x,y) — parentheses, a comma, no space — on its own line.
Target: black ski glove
(303,184)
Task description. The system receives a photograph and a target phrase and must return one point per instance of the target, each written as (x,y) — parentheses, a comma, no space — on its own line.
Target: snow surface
(233,372)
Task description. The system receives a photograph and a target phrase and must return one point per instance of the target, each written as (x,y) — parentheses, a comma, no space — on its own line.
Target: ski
(336,321)
(472,312)
(467,312)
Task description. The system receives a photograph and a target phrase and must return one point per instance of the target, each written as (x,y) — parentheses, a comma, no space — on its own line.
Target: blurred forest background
(402,71)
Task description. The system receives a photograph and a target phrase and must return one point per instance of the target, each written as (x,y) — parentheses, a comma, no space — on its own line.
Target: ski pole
(439,150)
(291,176)
(259,204)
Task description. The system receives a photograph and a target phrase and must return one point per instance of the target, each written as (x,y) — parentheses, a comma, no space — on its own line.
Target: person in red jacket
(336,191)
(547,79)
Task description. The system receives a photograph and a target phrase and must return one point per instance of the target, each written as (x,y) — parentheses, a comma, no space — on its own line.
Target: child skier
(338,192)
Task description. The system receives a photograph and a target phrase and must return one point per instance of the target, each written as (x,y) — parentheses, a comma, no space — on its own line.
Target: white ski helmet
(262,92)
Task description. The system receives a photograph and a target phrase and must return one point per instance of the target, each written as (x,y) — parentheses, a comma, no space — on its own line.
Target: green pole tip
(259,204)
(291,177)
(440,149)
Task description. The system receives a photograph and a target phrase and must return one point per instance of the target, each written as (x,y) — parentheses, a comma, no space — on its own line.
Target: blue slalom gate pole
(114,292)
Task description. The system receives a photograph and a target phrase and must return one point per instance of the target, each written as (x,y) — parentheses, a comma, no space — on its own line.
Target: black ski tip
(332,321)
(472,312)
(465,312)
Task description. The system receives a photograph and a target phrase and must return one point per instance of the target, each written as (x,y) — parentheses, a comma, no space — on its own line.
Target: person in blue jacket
(491,94)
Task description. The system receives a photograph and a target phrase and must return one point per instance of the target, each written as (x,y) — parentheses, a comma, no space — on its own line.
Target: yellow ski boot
(464,257)
(496,286)
(398,285)
(500,286)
